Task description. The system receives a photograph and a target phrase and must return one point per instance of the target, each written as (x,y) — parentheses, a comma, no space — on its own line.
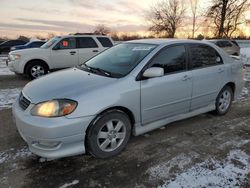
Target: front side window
(50,42)
(67,43)
(86,42)
(203,56)
(171,59)
(120,59)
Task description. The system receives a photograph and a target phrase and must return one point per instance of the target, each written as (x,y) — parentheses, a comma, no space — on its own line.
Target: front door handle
(72,52)
(186,77)
(220,70)
(95,51)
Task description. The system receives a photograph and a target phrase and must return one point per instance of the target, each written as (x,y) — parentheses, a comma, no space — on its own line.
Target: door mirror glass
(218,60)
(153,72)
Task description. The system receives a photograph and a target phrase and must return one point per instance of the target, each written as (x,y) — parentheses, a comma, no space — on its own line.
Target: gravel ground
(203,151)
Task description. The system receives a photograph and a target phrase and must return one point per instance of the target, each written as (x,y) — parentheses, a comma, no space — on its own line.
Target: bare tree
(194,8)
(101,30)
(227,15)
(166,17)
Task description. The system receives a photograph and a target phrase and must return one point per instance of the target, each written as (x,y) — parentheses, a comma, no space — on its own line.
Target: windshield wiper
(94,70)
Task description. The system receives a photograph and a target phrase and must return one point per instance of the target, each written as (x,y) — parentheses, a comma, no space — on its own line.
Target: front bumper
(13,66)
(51,137)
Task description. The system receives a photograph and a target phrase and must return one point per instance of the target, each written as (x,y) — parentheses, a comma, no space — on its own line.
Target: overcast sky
(40,17)
(63,16)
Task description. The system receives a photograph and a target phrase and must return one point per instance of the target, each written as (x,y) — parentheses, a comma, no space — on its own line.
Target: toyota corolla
(129,89)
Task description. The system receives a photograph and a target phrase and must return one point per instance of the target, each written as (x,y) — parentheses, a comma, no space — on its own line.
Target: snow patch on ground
(8,96)
(4,70)
(245,55)
(178,163)
(13,154)
(212,173)
(244,94)
(234,143)
(69,184)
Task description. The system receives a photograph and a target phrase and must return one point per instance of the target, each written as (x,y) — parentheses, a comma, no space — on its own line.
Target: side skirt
(141,129)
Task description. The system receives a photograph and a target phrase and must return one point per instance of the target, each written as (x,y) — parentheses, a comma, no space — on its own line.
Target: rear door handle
(72,52)
(95,51)
(186,77)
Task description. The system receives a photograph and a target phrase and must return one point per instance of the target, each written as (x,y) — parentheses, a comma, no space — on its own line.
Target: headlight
(14,57)
(54,108)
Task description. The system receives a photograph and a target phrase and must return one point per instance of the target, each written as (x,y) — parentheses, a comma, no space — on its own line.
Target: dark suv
(5,46)
(33,44)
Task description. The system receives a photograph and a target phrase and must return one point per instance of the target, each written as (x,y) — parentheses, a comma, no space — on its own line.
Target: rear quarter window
(105,41)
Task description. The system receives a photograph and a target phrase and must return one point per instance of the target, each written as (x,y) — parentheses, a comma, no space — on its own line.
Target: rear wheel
(224,101)
(36,69)
(108,135)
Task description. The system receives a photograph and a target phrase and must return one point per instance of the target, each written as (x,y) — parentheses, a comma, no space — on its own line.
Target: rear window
(105,41)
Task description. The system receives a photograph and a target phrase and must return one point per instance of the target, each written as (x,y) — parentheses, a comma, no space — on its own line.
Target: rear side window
(86,42)
(67,43)
(105,41)
(37,44)
(171,59)
(203,56)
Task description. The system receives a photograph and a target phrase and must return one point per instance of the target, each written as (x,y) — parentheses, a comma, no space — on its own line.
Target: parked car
(1,41)
(32,44)
(58,53)
(231,47)
(5,46)
(131,88)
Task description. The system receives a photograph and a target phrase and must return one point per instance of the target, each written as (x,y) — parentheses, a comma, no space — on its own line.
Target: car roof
(64,36)
(219,40)
(166,41)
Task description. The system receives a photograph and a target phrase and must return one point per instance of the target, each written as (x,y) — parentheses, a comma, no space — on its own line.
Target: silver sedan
(131,88)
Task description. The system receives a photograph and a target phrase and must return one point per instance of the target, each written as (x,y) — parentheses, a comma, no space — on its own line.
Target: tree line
(222,17)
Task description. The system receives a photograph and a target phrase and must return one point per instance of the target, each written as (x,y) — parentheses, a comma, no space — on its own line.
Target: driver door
(64,54)
(169,95)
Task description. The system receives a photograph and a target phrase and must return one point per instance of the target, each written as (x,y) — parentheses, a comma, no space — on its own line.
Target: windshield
(120,59)
(50,42)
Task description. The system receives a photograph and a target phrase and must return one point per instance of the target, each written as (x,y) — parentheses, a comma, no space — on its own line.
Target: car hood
(28,51)
(69,83)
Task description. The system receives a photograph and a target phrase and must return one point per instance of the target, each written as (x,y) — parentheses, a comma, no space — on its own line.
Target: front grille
(23,102)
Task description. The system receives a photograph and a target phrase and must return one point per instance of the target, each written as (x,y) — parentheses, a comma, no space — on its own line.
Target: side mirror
(153,72)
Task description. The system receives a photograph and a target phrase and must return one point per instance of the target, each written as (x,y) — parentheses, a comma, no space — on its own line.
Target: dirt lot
(204,151)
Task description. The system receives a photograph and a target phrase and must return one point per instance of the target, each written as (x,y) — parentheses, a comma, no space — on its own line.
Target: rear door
(170,94)
(64,54)
(87,48)
(208,73)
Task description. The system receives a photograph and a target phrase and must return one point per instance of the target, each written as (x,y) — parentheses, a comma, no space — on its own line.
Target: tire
(109,134)
(36,69)
(224,101)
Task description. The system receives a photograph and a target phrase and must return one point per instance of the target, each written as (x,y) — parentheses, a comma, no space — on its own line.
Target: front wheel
(108,135)
(36,70)
(224,101)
